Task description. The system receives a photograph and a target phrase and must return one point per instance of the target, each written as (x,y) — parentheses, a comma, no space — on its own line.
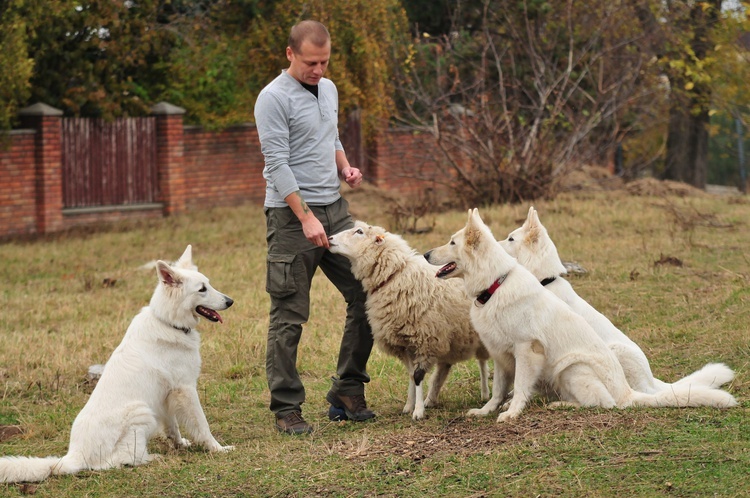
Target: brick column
(170,147)
(47,121)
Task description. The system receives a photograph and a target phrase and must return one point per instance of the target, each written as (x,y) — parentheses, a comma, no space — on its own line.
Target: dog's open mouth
(209,314)
(446,270)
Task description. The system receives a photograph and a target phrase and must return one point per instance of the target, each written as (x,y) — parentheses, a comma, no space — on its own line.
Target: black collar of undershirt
(310,88)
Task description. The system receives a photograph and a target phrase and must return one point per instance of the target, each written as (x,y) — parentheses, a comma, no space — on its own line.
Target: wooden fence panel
(109,163)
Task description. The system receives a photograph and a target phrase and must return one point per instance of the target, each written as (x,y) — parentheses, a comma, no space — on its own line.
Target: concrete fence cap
(40,109)
(166,108)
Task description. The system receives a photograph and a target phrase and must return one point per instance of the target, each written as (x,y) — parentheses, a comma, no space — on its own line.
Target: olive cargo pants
(291,263)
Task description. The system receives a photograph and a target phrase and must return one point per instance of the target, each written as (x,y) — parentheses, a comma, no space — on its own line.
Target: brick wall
(18,184)
(197,168)
(223,168)
(404,162)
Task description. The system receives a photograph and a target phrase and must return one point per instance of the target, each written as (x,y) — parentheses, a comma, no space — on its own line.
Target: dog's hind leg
(580,385)
(436,383)
(132,447)
(530,361)
(504,368)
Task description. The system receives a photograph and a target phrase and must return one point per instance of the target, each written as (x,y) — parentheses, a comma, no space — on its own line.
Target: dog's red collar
(487,294)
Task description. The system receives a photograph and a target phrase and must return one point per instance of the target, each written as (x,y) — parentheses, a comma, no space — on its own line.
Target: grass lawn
(671,271)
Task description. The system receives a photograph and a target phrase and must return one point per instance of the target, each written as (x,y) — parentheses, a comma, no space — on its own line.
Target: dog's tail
(713,375)
(34,469)
(685,395)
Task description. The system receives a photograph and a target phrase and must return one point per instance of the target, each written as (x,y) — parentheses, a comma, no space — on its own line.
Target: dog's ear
(472,233)
(534,228)
(186,260)
(529,217)
(167,275)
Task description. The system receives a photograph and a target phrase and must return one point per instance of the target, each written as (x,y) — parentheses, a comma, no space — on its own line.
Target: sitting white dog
(148,384)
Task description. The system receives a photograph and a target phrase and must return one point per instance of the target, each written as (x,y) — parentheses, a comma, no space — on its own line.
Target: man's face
(310,64)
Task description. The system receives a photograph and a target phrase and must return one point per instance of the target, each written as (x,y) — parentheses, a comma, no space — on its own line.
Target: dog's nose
(427,255)
(229,301)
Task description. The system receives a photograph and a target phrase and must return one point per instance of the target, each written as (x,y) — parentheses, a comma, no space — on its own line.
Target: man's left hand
(352,176)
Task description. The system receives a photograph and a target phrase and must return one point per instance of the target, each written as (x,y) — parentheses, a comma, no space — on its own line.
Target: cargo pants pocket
(280,275)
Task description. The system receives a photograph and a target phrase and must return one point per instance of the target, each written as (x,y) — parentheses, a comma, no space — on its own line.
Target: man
(297,116)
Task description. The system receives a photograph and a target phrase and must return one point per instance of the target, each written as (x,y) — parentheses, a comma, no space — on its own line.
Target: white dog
(418,319)
(532,331)
(148,384)
(532,246)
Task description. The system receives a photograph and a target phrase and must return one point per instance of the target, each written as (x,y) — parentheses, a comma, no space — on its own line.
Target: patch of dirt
(651,187)
(9,431)
(590,178)
(465,436)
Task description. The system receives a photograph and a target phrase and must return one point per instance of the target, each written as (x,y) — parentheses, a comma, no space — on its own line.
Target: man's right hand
(311,226)
(314,231)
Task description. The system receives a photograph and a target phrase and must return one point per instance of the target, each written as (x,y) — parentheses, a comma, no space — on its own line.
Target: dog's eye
(203,288)
(359,231)
(453,243)
(510,239)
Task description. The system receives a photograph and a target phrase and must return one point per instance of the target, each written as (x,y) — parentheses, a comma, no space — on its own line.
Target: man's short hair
(308,30)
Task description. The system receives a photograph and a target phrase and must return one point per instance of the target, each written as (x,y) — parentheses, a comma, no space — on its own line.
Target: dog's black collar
(487,294)
(547,281)
(183,329)
(186,330)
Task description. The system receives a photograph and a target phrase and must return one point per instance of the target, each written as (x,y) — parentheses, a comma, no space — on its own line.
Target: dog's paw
(506,417)
(184,443)
(477,412)
(220,449)
(417,415)
(429,403)
(407,409)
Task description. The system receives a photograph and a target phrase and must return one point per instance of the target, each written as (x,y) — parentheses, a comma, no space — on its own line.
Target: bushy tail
(712,375)
(33,469)
(686,395)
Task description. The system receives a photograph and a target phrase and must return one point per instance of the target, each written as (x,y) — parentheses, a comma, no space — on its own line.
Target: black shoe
(354,406)
(293,423)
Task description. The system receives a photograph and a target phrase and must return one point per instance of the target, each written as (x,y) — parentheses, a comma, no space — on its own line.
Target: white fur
(418,319)
(532,246)
(548,342)
(148,385)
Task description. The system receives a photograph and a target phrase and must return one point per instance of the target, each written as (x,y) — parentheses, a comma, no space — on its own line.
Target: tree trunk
(687,143)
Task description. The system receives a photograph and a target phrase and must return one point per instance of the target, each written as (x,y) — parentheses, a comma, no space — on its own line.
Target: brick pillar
(47,121)
(170,147)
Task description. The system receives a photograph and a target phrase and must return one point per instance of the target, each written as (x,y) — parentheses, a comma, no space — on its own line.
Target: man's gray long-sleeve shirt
(298,138)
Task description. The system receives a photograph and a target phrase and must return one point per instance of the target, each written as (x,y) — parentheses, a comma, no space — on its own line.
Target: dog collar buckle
(487,294)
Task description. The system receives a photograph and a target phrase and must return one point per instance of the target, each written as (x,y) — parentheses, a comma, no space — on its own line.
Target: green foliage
(14,61)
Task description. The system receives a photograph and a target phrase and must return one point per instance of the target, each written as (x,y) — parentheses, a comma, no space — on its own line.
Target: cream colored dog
(535,338)
(148,384)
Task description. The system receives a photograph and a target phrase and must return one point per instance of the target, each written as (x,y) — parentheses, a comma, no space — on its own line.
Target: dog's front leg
(173,433)
(530,361)
(504,366)
(186,407)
